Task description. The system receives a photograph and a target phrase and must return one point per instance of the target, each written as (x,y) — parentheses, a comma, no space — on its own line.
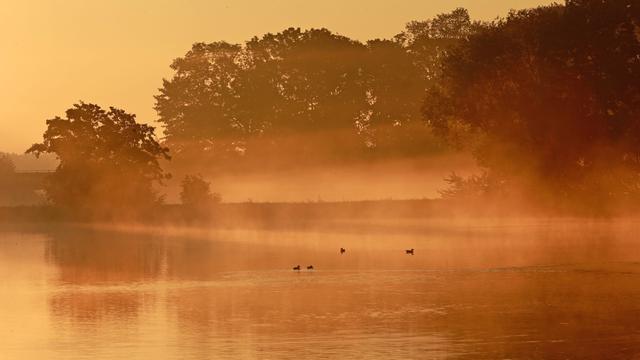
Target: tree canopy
(108,161)
(196,192)
(305,95)
(548,100)
(549,97)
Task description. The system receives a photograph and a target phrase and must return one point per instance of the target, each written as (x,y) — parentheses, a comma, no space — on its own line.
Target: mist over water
(463,189)
(410,178)
(477,290)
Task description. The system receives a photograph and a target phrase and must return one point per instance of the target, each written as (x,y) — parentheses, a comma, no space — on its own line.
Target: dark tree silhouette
(108,161)
(429,41)
(196,192)
(550,97)
(224,99)
(197,199)
(304,97)
(198,107)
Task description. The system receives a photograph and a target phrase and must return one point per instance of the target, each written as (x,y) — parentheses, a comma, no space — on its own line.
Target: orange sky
(116,52)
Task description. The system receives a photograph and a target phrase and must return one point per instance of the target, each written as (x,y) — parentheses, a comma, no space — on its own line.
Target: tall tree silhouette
(108,161)
(198,107)
(302,96)
(551,96)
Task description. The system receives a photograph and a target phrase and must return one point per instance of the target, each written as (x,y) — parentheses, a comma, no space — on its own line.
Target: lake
(529,289)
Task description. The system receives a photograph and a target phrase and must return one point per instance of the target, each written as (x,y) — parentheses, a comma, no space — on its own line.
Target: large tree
(304,96)
(108,161)
(550,98)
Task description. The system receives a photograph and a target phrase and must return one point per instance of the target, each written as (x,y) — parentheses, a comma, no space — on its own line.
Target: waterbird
(310,267)
(409,251)
(297,267)
(342,250)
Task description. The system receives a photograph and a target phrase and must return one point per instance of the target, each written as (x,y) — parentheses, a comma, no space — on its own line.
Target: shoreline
(267,215)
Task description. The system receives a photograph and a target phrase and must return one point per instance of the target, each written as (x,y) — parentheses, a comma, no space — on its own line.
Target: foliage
(304,96)
(196,192)
(552,97)
(429,41)
(461,188)
(108,161)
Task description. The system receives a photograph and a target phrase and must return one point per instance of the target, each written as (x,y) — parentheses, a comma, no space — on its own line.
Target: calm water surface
(517,290)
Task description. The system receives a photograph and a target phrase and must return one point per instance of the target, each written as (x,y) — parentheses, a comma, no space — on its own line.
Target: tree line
(305,96)
(549,101)
(546,99)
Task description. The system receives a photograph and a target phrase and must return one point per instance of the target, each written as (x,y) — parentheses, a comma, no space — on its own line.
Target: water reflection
(529,291)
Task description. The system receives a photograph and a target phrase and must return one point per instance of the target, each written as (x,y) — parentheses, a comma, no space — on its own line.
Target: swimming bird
(297,267)
(310,267)
(342,250)
(409,252)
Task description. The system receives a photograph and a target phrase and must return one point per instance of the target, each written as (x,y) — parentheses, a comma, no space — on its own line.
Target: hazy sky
(56,52)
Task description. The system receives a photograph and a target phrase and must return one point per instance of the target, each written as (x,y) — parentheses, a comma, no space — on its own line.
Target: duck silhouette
(297,267)
(342,250)
(409,252)
(310,267)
